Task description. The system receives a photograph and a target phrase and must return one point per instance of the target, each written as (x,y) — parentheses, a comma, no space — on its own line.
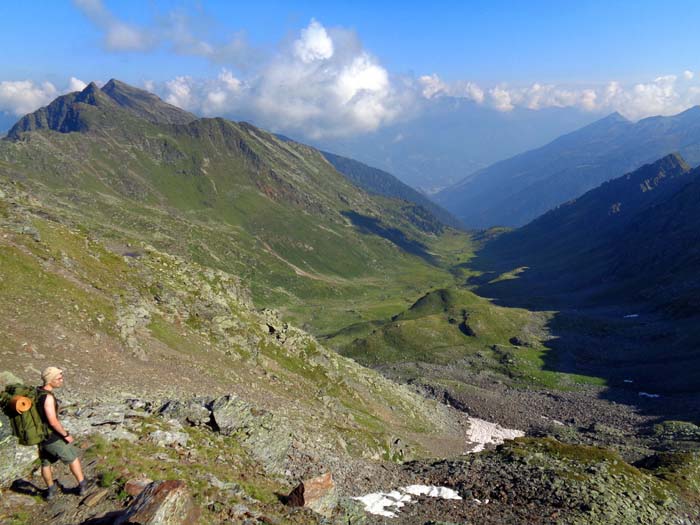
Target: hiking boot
(82,488)
(51,492)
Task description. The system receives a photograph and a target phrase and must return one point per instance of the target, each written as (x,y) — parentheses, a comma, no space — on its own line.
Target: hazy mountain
(451,138)
(380,182)
(515,191)
(636,234)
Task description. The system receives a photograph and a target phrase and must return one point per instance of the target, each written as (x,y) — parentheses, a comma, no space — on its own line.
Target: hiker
(58,444)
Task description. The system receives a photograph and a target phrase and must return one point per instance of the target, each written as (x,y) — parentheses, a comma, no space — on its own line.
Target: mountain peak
(65,114)
(92,95)
(145,104)
(615,116)
(673,161)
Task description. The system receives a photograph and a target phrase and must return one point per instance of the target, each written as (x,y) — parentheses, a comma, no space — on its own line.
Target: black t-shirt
(53,435)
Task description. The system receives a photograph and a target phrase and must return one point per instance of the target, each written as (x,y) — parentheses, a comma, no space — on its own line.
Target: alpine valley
(260,332)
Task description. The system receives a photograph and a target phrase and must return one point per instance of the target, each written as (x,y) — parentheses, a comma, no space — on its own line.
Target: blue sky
(332,68)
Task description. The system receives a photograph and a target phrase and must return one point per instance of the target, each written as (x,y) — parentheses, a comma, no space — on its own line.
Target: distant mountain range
(515,191)
(635,238)
(380,182)
(451,137)
(620,266)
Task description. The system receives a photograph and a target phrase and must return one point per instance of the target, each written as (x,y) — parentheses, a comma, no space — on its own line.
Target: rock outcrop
(161,503)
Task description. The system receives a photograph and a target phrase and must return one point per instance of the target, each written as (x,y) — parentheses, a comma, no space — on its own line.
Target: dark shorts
(58,450)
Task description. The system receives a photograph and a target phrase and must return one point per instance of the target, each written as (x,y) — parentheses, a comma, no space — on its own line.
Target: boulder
(16,461)
(231,414)
(161,503)
(319,494)
(267,437)
(193,412)
(163,438)
(134,487)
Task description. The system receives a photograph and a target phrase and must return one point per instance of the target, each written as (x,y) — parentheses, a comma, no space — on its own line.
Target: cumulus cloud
(314,44)
(180,93)
(321,84)
(326,84)
(432,86)
(75,84)
(501,98)
(24,96)
(664,95)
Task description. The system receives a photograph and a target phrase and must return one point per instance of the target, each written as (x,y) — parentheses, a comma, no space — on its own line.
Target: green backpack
(28,426)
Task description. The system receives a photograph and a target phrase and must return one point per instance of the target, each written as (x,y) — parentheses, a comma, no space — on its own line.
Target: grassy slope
(221,193)
(454,325)
(65,297)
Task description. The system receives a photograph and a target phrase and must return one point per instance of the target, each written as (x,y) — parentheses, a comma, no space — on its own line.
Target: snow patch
(482,433)
(378,502)
(431,491)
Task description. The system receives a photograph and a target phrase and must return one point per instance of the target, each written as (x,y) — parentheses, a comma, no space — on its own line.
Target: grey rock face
(267,437)
(16,460)
(193,412)
(168,439)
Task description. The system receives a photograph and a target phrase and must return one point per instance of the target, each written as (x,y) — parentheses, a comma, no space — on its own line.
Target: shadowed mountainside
(620,264)
(374,180)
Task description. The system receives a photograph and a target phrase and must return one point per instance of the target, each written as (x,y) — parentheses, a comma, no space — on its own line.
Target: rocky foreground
(185,397)
(222,460)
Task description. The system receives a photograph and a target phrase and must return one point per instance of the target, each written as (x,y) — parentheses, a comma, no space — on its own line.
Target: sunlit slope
(226,194)
(149,321)
(453,329)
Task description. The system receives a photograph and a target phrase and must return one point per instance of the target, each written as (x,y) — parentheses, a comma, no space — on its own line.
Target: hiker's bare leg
(77,470)
(47,475)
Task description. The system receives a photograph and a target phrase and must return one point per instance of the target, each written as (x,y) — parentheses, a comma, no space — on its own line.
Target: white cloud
(664,95)
(126,38)
(688,75)
(473,92)
(118,35)
(24,96)
(501,98)
(179,92)
(361,75)
(322,84)
(314,44)
(75,84)
(432,86)
(222,94)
